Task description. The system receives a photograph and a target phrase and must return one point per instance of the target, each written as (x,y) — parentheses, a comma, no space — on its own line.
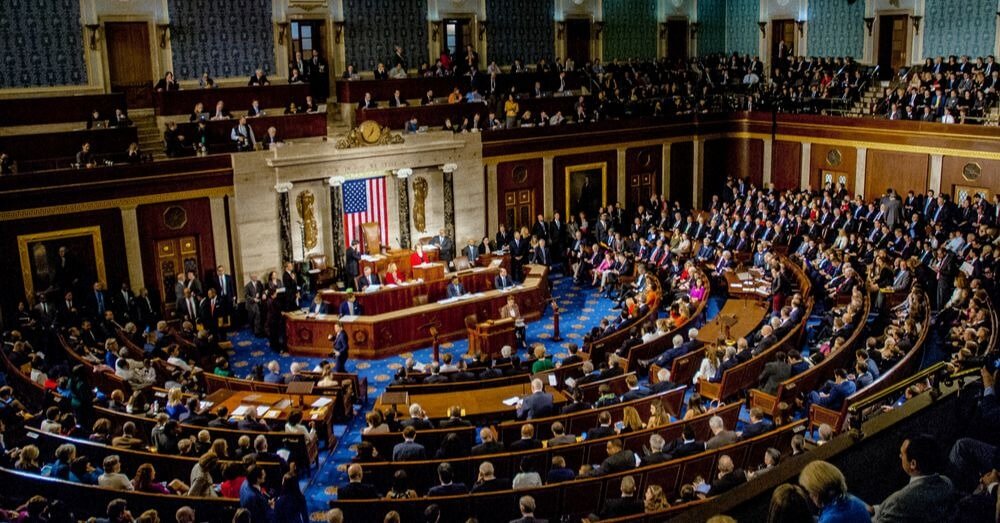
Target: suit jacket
(926,498)
(365,281)
(721,439)
(408,451)
(453,489)
(728,482)
(623,506)
(345,308)
(773,374)
(353,262)
(634,394)
(357,491)
(529,519)
(600,431)
(756,429)
(455,291)
(503,282)
(535,405)
(618,462)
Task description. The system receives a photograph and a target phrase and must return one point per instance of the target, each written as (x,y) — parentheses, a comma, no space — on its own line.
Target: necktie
(191,310)
(100,303)
(223,285)
(212,307)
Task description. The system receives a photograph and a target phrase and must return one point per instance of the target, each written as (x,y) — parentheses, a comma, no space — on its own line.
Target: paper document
(321,402)
(241,410)
(261,410)
(552,379)
(510,402)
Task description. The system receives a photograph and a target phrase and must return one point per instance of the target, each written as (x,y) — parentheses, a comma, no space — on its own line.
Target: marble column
(337,221)
(448,180)
(403,200)
(698,161)
(768,153)
(934,181)
(219,233)
(804,174)
(285,221)
(133,251)
(665,172)
(860,171)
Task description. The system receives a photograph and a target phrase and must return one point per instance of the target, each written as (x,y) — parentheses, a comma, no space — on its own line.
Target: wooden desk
(401,257)
(57,150)
(281,406)
(747,282)
(428,271)
(478,404)
(380,335)
(237,99)
(748,313)
(289,127)
(389,298)
(353,91)
(58,109)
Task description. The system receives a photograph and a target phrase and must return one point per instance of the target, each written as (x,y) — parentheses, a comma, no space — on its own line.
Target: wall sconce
(598,27)
(560,29)
(282,31)
(93,29)
(916,23)
(763,29)
(435,29)
(164,31)
(663,30)
(338,31)
(695,26)
(870,22)
(482,30)
(801,25)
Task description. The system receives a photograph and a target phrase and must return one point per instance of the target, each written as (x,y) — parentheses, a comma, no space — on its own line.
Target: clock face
(370,131)
(971,171)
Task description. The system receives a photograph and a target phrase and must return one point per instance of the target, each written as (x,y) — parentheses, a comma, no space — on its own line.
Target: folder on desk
(242,410)
(321,402)
(510,402)
(261,410)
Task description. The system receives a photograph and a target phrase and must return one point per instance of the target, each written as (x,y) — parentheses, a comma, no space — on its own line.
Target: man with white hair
(668,356)
(295,373)
(418,418)
(185,514)
(720,436)
(487,481)
(656,454)
(489,443)
(537,404)
(663,382)
(728,478)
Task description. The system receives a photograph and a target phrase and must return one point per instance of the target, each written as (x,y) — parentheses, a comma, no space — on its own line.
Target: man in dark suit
(503,280)
(729,476)
(290,282)
(603,428)
(656,453)
(635,391)
(447,486)
(455,288)
(527,506)
(487,481)
(253,299)
(537,404)
(368,279)
(663,384)
(353,263)
(144,312)
(409,450)
(340,347)
(446,247)
(625,505)
(518,255)
(540,255)
(758,424)
(527,441)
(356,489)
(928,494)
(619,458)
(98,301)
(350,306)
(688,444)
(774,373)
(213,310)
(187,307)
(489,444)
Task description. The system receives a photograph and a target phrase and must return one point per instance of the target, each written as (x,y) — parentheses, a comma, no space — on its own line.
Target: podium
(429,272)
(490,336)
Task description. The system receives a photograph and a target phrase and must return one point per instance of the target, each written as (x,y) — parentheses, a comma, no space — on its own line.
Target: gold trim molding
(570,169)
(69,208)
(94,232)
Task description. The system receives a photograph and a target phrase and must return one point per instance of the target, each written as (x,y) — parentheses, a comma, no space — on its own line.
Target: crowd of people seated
(952,90)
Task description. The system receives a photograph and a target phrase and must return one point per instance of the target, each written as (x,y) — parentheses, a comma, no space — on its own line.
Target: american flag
(364,201)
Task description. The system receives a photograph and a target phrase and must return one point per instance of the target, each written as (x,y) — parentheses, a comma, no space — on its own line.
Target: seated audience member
(258,79)
(409,450)
(827,488)
(447,485)
(927,496)
(355,489)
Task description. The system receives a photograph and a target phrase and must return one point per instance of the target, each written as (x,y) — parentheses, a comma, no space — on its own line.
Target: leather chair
(420,299)
(372,233)
(319,269)
(461,264)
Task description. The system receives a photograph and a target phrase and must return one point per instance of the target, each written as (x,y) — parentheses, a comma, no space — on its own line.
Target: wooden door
(677,39)
(782,31)
(174,256)
(519,208)
(578,40)
(130,66)
(893,32)
(639,187)
(457,35)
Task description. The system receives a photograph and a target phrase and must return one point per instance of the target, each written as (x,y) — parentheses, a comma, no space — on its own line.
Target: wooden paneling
(682,172)
(736,157)
(900,171)
(115,263)
(517,176)
(786,165)
(646,163)
(820,161)
(58,109)
(561,163)
(951,174)
(153,227)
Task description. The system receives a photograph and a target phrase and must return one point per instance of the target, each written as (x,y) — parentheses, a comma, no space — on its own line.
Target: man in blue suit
(350,306)
(369,279)
(409,450)
(503,281)
(839,390)
(340,347)
(447,487)
(455,288)
(537,404)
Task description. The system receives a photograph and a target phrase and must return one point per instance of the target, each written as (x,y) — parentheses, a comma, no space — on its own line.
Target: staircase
(862,108)
(150,136)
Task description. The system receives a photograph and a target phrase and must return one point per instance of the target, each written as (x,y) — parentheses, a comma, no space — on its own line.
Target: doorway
(519,208)
(130,67)
(307,35)
(677,39)
(578,40)
(174,256)
(782,31)
(639,188)
(892,38)
(457,35)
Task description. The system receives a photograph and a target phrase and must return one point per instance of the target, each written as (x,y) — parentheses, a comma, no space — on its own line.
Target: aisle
(582,309)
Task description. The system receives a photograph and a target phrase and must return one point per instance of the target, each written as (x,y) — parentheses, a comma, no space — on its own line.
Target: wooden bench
(289,127)
(573,498)
(423,474)
(237,99)
(87,499)
(839,419)
(815,376)
(591,391)
(58,109)
(599,348)
(57,150)
(655,347)
(353,91)
(430,439)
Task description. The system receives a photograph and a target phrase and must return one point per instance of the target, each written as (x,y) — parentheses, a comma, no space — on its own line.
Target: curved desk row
(380,335)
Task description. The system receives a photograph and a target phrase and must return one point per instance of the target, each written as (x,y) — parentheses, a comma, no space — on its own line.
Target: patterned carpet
(583,309)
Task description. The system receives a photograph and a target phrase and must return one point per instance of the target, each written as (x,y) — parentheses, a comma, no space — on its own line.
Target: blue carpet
(582,309)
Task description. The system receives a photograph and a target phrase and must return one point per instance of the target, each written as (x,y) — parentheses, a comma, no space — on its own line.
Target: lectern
(490,336)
